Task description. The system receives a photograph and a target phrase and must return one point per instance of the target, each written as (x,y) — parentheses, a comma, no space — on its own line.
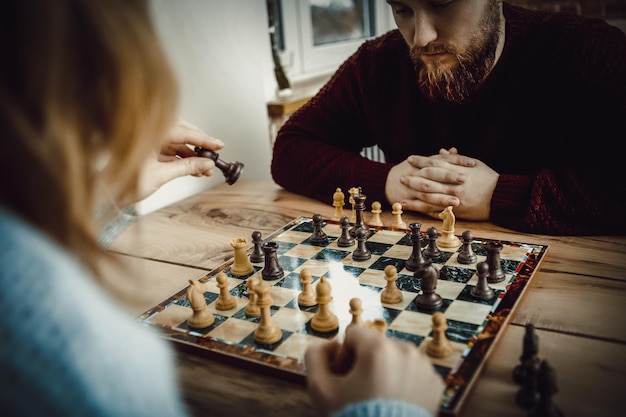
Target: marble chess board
(474,326)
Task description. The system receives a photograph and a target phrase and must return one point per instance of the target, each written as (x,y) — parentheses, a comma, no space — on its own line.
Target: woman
(87,97)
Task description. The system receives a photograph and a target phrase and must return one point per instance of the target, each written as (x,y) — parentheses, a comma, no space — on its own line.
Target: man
(506,114)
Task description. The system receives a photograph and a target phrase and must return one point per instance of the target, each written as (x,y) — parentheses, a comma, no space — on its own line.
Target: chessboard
(473,325)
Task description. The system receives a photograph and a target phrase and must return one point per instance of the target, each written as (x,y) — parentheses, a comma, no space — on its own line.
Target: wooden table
(577,303)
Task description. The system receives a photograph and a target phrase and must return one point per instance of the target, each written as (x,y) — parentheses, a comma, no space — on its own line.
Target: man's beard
(455,84)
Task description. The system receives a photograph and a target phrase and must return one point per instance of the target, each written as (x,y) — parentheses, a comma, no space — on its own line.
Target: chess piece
(252,308)
(231,170)
(439,346)
(353,191)
(447,238)
(528,395)
(257,253)
(272,269)
(530,350)
(356,309)
(416,260)
(397,223)
(318,235)
(391,294)
(324,321)
(428,299)
(241,264)
(482,290)
(306,298)
(346,239)
(361,253)
(338,203)
(375,220)
(225,301)
(201,316)
(267,332)
(496,273)
(546,385)
(432,251)
(359,208)
(377,324)
(467,256)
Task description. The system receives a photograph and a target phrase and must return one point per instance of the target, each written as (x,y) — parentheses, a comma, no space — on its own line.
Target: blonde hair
(81,82)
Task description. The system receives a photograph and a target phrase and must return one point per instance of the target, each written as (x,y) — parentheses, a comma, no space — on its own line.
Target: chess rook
(496,273)
(272,269)
(241,265)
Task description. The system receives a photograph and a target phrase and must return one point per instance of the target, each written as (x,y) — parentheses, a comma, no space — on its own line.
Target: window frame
(300,59)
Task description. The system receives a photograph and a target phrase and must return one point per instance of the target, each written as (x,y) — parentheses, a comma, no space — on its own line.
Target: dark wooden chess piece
(257,254)
(496,273)
(346,239)
(428,299)
(231,170)
(467,256)
(482,290)
(318,235)
(546,385)
(361,253)
(528,395)
(416,260)
(359,208)
(530,349)
(432,251)
(272,269)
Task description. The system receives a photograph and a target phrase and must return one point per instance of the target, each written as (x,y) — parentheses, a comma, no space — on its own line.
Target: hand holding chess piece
(231,170)
(368,364)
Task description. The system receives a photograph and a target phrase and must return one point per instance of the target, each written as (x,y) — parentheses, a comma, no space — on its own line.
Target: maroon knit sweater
(550,119)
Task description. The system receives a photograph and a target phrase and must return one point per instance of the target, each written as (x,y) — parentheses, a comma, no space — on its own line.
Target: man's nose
(424,30)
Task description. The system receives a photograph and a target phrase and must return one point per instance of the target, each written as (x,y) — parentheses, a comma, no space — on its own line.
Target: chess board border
(458,383)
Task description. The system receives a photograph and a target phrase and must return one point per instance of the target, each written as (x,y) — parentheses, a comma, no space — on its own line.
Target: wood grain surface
(577,303)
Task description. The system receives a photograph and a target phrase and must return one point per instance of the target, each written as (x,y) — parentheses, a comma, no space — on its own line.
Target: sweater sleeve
(318,148)
(381,407)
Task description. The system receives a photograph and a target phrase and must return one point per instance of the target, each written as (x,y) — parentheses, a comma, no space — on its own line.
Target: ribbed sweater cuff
(511,195)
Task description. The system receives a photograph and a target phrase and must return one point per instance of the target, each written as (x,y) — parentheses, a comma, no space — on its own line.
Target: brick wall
(605,9)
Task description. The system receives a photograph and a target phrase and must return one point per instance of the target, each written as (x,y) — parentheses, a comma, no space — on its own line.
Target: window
(315,36)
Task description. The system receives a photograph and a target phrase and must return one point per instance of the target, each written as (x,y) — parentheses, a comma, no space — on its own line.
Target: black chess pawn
(272,269)
(466,255)
(361,253)
(546,385)
(482,290)
(257,254)
(346,239)
(231,170)
(318,235)
(428,299)
(432,251)
(496,273)
(416,260)
(530,349)
(359,208)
